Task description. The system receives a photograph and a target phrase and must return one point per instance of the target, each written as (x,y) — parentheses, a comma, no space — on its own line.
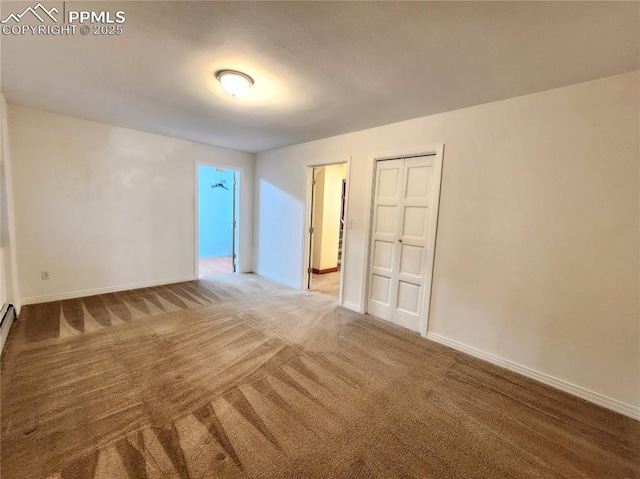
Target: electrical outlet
(44,275)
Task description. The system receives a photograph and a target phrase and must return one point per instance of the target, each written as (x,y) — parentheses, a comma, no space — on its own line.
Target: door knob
(400,240)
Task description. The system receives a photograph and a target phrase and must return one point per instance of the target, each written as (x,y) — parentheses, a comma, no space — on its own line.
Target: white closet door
(386,218)
(401,231)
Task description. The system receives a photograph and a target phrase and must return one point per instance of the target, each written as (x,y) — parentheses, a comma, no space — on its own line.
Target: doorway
(326,229)
(217,220)
(406,198)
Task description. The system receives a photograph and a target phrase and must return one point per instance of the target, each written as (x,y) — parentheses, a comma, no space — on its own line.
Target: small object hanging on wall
(220,185)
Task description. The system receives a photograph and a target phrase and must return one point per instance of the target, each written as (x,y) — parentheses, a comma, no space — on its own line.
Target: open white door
(234,225)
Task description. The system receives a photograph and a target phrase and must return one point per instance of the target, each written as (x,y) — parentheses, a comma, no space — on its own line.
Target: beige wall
(327,216)
(3,203)
(102,207)
(318,209)
(7,250)
(537,256)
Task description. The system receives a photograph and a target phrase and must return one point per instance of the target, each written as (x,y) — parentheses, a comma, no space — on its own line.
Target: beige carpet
(239,377)
(328,283)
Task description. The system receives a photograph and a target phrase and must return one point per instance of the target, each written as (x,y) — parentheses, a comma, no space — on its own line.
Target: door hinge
(313,182)
(234,256)
(234,224)
(309,270)
(311,230)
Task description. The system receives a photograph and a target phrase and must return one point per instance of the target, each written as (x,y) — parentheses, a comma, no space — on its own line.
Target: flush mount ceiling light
(233,82)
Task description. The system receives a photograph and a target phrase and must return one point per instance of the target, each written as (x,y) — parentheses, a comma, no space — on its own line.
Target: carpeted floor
(328,283)
(236,376)
(215,265)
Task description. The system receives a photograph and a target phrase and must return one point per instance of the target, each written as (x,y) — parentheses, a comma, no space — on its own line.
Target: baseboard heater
(8,316)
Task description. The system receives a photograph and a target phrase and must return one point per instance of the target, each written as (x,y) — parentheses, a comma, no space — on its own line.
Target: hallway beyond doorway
(326,220)
(328,283)
(217,220)
(216,265)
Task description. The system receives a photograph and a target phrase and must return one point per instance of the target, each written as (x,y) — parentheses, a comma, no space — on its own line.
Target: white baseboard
(108,289)
(351,306)
(586,394)
(6,326)
(279,279)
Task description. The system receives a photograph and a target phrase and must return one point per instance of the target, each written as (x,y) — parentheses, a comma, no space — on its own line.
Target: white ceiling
(320,68)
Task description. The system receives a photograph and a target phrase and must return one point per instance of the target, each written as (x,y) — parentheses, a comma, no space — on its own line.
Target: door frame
(239,173)
(438,152)
(306,244)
